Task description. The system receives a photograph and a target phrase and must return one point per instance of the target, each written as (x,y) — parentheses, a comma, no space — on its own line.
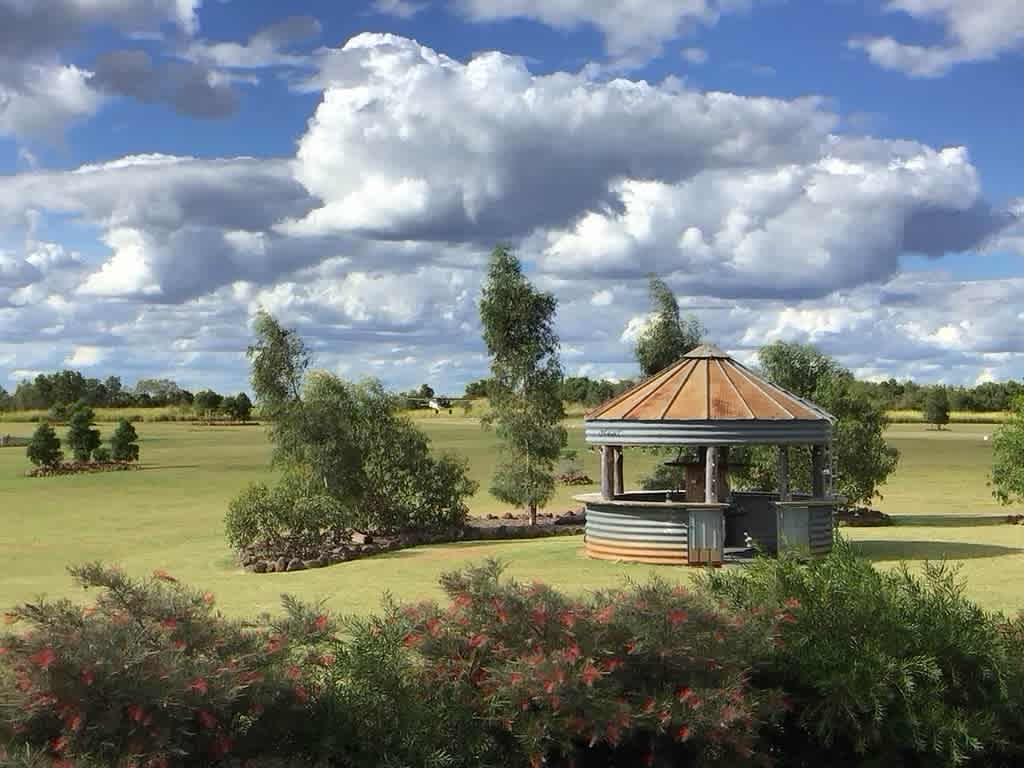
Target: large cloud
(976,30)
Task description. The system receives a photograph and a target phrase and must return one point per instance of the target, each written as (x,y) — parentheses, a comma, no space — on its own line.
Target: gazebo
(709,402)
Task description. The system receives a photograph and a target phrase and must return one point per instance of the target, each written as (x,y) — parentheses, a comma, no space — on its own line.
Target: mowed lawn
(169,515)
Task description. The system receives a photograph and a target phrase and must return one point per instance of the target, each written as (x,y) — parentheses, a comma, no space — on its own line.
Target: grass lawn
(169,515)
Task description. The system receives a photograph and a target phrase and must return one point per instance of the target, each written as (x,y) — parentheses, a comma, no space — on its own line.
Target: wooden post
(784,473)
(818,471)
(618,486)
(607,489)
(711,476)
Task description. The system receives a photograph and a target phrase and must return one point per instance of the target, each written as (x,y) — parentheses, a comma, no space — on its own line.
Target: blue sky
(842,173)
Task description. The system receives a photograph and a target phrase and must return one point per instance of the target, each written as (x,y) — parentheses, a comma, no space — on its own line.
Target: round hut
(707,402)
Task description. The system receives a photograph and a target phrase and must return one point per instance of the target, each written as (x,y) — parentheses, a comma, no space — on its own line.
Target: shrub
(124,442)
(44,447)
(58,412)
(882,668)
(653,675)
(102,455)
(295,508)
(82,439)
(151,674)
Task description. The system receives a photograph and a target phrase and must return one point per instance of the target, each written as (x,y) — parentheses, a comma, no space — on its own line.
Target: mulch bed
(7,441)
(336,547)
(80,468)
(862,517)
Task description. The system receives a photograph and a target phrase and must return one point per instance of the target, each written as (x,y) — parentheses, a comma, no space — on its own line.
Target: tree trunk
(533,513)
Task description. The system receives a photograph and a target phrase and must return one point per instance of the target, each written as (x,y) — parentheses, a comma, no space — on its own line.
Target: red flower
(589,674)
(463,601)
(321,622)
(88,611)
(502,616)
(86,677)
(43,659)
(683,733)
(539,616)
(433,626)
(209,598)
(612,664)
(411,640)
(326,659)
(74,721)
(169,623)
(4,651)
(685,694)
(677,617)
(477,640)
(58,744)
(515,678)
(572,653)
(301,693)
(181,645)
(274,644)
(789,618)
(649,704)
(158,762)
(163,575)
(136,713)
(631,647)
(250,677)
(199,684)
(792,602)
(556,679)
(605,614)
(293,672)
(208,719)
(567,618)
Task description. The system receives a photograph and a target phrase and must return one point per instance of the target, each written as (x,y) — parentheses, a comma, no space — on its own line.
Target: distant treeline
(888,395)
(57,392)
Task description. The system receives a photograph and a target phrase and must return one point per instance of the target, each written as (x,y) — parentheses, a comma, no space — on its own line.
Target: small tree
(44,448)
(669,336)
(124,443)
(936,407)
(82,438)
(518,323)
(238,407)
(1008,457)
(208,402)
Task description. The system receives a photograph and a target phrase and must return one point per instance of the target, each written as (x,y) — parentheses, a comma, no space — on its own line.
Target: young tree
(669,336)
(124,443)
(82,438)
(1008,457)
(525,391)
(863,460)
(936,407)
(242,410)
(44,448)
(208,402)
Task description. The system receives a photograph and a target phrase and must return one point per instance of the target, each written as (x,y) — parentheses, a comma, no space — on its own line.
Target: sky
(843,173)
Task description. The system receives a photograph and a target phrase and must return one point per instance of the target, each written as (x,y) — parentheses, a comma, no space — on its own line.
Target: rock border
(361,546)
(81,468)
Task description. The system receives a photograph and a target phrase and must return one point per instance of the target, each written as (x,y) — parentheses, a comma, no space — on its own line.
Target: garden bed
(81,468)
(862,517)
(339,547)
(9,441)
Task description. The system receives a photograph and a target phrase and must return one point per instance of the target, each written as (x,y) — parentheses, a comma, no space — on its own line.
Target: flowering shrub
(152,675)
(652,675)
(883,667)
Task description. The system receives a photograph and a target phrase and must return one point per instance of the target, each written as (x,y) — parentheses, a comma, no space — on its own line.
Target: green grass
(169,515)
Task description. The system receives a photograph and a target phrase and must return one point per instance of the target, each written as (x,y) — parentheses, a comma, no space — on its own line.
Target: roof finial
(706,351)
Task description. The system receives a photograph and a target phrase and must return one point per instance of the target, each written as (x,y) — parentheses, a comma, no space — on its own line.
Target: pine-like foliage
(82,438)
(151,674)
(651,675)
(669,335)
(124,443)
(44,448)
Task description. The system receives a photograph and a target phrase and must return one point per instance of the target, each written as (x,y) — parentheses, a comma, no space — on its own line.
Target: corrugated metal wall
(641,534)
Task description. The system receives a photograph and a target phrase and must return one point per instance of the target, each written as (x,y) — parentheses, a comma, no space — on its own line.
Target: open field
(955,417)
(169,515)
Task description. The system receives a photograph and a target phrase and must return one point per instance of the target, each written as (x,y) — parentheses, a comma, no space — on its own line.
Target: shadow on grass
(948,521)
(153,467)
(883,551)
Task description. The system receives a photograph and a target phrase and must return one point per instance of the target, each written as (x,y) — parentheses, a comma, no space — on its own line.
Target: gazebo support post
(784,473)
(711,476)
(818,471)
(607,472)
(618,486)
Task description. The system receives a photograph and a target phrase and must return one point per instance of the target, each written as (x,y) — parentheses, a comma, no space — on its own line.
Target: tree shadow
(949,521)
(895,551)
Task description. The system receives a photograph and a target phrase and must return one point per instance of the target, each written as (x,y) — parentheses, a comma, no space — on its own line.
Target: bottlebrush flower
(301,693)
(677,617)
(169,623)
(43,659)
(326,659)
(463,601)
(610,665)
(199,684)
(589,674)
(605,614)
(567,619)
(209,598)
(136,713)
(411,640)
(180,644)
(572,653)
(792,603)
(433,626)
(86,676)
(163,575)
(321,622)
(683,734)
(293,673)
(539,616)
(274,644)
(208,720)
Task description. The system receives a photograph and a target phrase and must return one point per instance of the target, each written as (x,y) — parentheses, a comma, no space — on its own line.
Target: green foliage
(237,407)
(102,455)
(476,389)
(44,448)
(863,460)
(297,507)
(936,407)
(151,674)
(82,439)
(881,668)
(207,401)
(124,442)
(525,389)
(591,392)
(669,336)
(1008,457)
(58,412)
(652,675)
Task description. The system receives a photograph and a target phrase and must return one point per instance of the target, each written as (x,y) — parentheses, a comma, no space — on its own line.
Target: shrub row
(786,664)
